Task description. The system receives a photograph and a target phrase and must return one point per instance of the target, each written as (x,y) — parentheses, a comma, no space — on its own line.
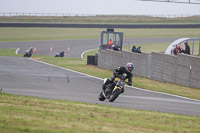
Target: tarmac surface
(25,76)
(76,47)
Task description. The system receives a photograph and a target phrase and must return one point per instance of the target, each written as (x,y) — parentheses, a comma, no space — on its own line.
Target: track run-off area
(29,77)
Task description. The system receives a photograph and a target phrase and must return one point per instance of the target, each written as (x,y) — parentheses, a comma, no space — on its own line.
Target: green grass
(160,47)
(116,19)
(149,48)
(25,114)
(39,34)
(8,52)
(91,52)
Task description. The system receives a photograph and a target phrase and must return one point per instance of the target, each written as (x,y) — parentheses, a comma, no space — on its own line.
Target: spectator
(187,48)
(133,48)
(175,50)
(136,50)
(115,48)
(110,42)
(139,50)
(180,50)
(107,46)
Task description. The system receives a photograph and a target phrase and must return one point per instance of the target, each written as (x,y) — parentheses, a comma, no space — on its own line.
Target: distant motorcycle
(113,90)
(60,54)
(29,52)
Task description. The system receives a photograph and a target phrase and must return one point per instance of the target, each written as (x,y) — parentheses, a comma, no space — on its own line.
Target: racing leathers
(117,73)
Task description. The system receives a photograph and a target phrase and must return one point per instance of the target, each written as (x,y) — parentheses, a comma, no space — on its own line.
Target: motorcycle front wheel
(25,55)
(114,95)
(101,97)
(29,55)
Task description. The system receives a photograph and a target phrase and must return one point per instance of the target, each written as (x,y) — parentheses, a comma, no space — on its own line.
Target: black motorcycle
(60,54)
(28,54)
(113,90)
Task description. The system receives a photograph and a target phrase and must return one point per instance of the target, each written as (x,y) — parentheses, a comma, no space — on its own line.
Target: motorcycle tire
(29,55)
(25,55)
(114,95)
(101,97)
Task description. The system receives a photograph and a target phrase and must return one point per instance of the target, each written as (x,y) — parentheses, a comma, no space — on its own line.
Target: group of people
(178,49)
(136,50)
(111,45)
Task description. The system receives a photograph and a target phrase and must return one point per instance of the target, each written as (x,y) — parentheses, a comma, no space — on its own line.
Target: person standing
(176,50)
(110,44)
(187,48)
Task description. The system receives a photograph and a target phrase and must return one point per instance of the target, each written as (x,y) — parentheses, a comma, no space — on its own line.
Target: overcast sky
(121,7)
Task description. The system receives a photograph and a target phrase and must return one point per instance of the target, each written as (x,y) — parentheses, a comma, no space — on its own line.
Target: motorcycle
(60,54)
(28,54)
(113,90)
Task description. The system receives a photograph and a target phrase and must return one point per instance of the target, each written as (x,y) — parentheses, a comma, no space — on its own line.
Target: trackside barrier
(181,69)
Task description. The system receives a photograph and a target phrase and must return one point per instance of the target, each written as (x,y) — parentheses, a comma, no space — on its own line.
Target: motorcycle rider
(28,52)
(60,54)
(118,72)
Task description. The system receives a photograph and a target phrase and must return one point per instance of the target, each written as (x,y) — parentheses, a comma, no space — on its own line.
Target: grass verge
(116,19)
(11,34)
(25,114)
(8,52)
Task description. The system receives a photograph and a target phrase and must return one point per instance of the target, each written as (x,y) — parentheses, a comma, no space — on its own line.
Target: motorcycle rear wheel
(101,97)
(114,95)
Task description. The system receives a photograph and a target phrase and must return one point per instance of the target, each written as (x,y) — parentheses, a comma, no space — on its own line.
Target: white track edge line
(85,52)
(103,79)
(16,52)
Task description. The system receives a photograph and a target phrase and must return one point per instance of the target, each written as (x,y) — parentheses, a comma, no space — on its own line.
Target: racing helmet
(129,67)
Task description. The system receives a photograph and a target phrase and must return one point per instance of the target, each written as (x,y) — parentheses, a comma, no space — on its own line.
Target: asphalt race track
(76,47)
(28,77)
